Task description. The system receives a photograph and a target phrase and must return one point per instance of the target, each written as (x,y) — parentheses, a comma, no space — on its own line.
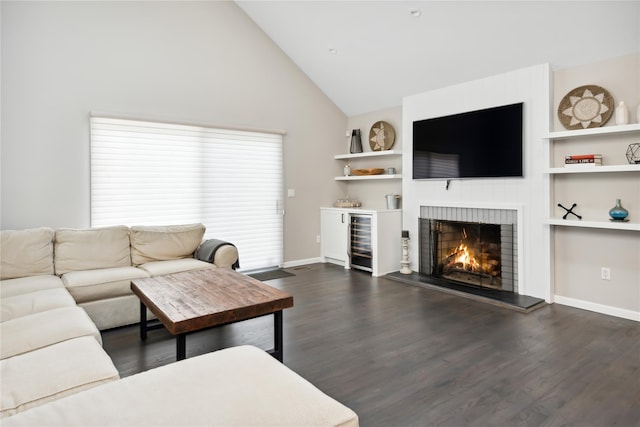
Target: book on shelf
(582,165)
(583,161)
(583,157)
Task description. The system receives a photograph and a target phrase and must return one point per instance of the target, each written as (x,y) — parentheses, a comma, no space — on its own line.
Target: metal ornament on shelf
(569,211)
(633,153)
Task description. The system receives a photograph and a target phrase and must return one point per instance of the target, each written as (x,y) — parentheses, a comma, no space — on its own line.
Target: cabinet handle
(349,242)
(342,218)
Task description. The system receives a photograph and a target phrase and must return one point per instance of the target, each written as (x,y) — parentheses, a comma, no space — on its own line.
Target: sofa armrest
(219,253)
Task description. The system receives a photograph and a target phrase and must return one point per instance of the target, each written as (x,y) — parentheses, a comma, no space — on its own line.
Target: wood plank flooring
(402,355)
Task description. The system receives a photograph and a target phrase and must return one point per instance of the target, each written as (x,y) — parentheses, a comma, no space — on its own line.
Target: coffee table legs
(181,339)
(278,351)
(181,346)
(143,322)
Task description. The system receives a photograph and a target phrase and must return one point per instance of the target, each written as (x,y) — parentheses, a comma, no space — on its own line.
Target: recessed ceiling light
(333,50)
(416,13)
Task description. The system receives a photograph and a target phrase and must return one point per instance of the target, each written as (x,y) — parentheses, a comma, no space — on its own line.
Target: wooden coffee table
(196,300)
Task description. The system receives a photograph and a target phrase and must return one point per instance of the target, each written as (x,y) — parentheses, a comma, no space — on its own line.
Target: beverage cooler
(360,249)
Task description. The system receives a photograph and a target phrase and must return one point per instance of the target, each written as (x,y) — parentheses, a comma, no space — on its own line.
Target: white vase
(622,114)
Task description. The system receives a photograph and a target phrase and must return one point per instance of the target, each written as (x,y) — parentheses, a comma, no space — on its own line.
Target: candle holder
(405,253)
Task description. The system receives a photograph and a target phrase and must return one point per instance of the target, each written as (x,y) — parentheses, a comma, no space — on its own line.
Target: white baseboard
(299,262)
(598,308)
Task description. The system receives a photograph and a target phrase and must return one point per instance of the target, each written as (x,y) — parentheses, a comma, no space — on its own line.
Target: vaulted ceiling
(368,55)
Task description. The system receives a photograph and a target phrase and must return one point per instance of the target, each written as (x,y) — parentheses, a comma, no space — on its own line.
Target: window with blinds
(149,173)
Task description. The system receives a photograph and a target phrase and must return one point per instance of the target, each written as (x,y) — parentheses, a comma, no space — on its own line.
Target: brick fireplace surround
(511,299)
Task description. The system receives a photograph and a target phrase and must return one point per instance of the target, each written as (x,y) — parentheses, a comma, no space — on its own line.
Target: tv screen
(478,144)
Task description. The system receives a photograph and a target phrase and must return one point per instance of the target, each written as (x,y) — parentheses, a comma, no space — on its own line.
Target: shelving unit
(630,226)
(588,134)
(367,177)
(607,130)
(595,169)
(368,154)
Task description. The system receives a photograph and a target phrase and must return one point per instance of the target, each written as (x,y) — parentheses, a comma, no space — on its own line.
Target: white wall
(198,62)
(531,86)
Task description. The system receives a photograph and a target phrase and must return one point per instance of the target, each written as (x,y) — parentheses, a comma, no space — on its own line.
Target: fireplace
(468,246)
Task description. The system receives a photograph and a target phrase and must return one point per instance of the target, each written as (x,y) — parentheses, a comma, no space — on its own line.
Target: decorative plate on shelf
(381,136)
(373,171)
(584,107)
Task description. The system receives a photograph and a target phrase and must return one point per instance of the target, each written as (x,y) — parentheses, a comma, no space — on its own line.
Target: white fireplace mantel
(527,195)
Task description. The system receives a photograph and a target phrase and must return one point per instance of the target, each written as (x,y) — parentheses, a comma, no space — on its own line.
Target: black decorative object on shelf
(633,153)
(356,142)
(569,211)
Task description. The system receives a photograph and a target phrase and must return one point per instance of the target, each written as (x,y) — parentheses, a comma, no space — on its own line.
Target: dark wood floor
(402,355)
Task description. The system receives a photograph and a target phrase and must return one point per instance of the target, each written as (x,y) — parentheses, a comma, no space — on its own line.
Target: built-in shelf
(368,177)
(611,225)
(368,154)
(594,131)
(595,169)
(622,168)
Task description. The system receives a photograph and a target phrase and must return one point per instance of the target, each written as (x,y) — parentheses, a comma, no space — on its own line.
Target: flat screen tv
(477,144)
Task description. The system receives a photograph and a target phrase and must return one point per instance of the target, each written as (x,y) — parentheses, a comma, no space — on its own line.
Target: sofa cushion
(25,285)
(52,372)
(159,268)
(34,302)
(161,243)
(91,248)
(26,252)
(49,327)
(115,312)
(240,386)
(93,285)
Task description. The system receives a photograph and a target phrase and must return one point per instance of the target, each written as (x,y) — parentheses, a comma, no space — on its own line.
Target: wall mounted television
(477,144)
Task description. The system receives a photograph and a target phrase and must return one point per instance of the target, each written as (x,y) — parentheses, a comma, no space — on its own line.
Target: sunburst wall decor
(584,107)
(382,136)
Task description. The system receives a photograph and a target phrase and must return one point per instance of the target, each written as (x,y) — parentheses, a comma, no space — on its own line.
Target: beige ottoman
(239,386)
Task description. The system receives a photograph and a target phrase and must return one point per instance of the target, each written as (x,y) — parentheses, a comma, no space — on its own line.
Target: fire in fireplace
(470,253)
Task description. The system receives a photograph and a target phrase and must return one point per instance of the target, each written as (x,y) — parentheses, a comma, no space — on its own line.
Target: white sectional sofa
(59,288)
(95,266)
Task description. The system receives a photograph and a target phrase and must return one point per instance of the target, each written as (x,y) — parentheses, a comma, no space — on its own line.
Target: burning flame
(462,255)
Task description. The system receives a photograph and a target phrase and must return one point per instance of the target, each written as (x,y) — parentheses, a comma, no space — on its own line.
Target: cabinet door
(333,234)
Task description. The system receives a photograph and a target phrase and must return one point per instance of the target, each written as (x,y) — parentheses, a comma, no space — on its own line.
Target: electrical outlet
(318,238)
(605,273)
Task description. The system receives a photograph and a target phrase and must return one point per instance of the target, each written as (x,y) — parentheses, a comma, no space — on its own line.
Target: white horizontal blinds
(157,173)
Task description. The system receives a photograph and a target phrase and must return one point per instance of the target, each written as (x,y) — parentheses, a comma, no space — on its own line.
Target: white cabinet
(386,227)
(594,189)
(334,235)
